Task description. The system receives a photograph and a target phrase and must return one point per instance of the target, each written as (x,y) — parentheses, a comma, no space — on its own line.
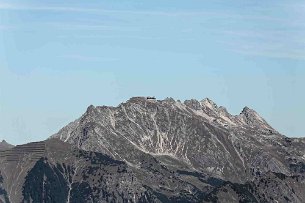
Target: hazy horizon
(57,58)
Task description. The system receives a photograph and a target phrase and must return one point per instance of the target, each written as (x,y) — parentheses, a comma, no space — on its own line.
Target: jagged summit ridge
(180,132)
(208,109)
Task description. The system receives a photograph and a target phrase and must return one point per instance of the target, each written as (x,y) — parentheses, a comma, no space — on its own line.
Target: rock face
(4,145)
(148,150)
(195,135)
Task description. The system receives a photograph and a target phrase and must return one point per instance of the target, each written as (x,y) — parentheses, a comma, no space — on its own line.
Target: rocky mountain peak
(90,108)
(251,115)
(205,108)
(143,121)
(194,138)
(170,100)
(252,118)
(223,111)
(193,104)
(247,110)
(209,103)
(4,145)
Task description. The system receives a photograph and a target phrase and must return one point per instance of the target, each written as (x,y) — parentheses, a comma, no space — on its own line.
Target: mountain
(147,150)
(4,145)
(194,135)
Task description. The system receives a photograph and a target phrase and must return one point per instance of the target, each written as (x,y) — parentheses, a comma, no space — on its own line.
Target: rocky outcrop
(4,145)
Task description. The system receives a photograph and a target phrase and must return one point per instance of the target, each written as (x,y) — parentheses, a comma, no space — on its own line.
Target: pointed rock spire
(252,118)
(193,104)
(169,100)
(4,145)
(209,103)
(223,111)
(251,115)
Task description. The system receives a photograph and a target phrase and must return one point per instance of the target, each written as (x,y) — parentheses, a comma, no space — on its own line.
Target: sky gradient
(58,57)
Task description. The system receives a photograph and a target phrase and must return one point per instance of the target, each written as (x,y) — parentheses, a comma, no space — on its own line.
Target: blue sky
(58,57)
